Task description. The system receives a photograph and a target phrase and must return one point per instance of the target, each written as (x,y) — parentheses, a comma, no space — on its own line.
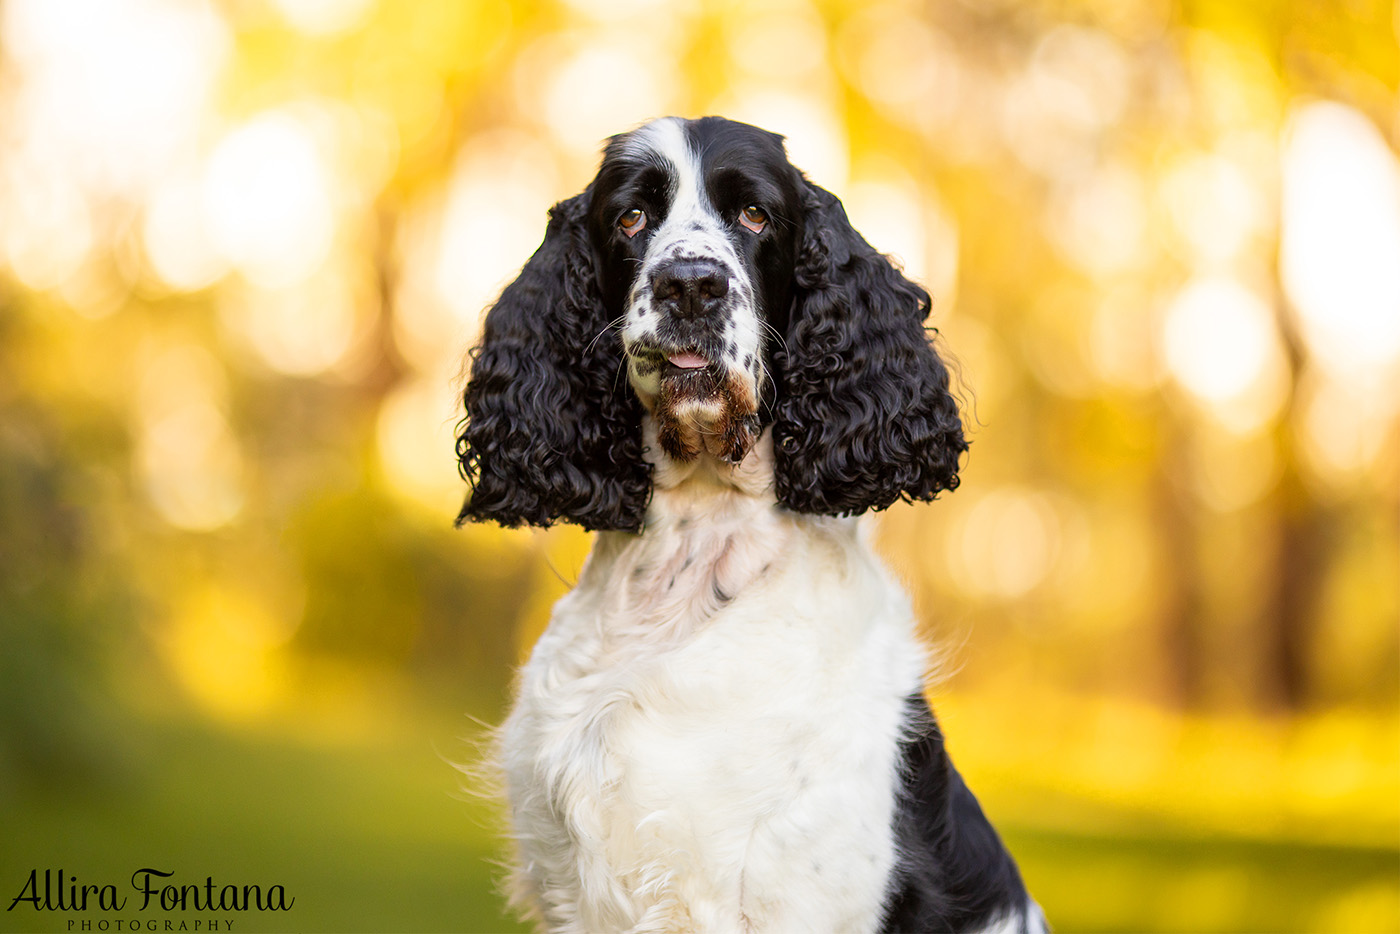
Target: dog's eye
(632,222)
(754,218)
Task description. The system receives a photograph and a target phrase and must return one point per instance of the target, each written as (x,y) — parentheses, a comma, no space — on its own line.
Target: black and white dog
(724,726)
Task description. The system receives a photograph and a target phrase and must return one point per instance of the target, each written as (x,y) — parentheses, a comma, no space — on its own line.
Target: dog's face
(697,226)
(736,296)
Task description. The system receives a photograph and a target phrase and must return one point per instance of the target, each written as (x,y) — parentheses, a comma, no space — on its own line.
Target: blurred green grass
(1168,882)
(375,834)
(371,836)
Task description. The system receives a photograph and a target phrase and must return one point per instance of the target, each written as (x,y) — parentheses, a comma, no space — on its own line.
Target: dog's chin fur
(702,412)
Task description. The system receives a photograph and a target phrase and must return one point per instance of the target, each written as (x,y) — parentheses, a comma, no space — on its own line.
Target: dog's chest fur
(706,735)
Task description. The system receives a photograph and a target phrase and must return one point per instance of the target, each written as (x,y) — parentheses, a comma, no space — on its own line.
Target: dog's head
(701,278)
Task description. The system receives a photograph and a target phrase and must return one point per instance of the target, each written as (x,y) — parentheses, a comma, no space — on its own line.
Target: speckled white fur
(705,737)
(690,230)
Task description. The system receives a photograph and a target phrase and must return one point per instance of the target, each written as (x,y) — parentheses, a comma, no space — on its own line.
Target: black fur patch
(952,872)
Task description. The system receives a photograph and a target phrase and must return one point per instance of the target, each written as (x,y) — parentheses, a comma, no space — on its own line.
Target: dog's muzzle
(685,369)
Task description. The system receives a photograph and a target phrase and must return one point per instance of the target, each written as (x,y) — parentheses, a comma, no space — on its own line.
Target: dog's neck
(712,529)
(707,487)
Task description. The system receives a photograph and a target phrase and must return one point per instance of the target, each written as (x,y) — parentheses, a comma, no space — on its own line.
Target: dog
(723,727)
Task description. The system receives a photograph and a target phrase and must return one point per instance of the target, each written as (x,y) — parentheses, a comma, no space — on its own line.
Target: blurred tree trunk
(1303,540)
(1174,514)
(389,366)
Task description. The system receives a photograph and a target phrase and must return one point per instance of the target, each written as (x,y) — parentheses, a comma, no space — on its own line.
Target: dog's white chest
(705,736)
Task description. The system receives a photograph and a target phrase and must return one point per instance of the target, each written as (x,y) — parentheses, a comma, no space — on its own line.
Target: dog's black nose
(690,288)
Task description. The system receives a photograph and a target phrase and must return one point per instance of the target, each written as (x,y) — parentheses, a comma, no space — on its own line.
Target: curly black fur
(552,427)
(865,416)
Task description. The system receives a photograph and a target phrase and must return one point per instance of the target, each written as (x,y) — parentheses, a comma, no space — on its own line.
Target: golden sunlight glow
(903,64)
(1005,544)
(492,220)
(1236,86)
(1343,425)
(324,17)
(268,199)
(247,245)
(1340,243)
(782,43)
(1104,575)
(111,95)
(221,645)
(1075,85)
(416,424)
(1053,344)
(663,14)
(985,364)
(177,239)
(96,290)
(816,139)
(1215,206)
(114,90)
(48,229)
(187,455)
(304,329)
(1221,345)
(1099,222)
(583,100)
(1230,471)
(424,322)
(888,206)
(1122,339)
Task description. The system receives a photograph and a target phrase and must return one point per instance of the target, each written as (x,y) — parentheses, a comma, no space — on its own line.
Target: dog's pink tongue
(688,361)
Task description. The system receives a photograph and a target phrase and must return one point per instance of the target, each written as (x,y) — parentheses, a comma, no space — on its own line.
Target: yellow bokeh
(245,247)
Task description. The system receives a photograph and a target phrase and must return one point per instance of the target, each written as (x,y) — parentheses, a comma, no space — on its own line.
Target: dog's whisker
(774,331)
(616,322)
(619,371)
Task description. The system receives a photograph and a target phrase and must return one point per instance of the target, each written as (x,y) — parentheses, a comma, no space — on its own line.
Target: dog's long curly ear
(552,430)
(864,416)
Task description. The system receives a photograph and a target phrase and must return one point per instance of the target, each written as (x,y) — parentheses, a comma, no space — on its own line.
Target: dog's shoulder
(953,872)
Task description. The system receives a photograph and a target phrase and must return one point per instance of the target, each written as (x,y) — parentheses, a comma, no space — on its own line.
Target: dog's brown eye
(632,222)
(754,218)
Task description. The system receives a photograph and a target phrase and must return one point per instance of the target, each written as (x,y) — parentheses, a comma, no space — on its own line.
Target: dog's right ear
(866,417)
(552,429)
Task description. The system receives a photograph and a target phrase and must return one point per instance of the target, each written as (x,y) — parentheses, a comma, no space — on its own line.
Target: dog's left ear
(864,417)
(553,430)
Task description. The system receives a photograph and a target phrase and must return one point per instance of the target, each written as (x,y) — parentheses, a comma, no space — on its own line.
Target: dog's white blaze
(682,761)
(690,230)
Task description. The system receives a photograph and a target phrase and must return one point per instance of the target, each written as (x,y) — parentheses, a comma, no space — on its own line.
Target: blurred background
(243,247)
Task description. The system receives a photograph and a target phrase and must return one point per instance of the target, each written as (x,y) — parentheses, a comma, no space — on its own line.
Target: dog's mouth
(689,366)
(700,405)
(692,374)
(687,360)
